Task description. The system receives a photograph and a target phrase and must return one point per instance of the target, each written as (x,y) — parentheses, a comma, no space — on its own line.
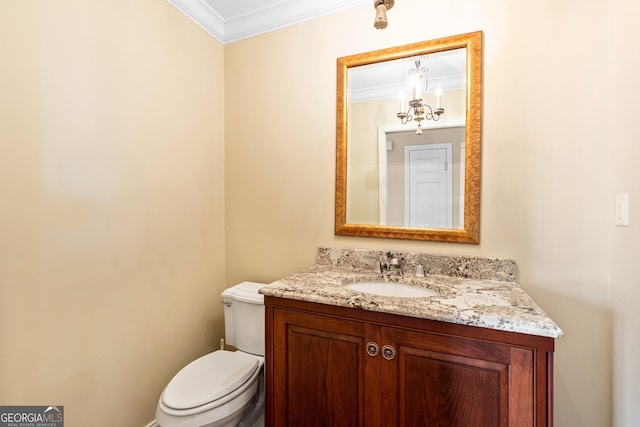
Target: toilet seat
(211,381)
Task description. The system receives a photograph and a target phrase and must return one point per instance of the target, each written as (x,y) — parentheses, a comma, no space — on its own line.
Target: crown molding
(271,17)
(200,13)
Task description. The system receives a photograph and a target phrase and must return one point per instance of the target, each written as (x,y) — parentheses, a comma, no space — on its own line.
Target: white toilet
(223,388)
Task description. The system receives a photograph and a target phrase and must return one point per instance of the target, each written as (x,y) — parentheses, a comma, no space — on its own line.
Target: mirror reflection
(400,172)
(408,141)
(421,179)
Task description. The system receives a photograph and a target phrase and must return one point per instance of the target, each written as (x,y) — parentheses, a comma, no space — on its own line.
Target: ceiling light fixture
(416,110)
(381,7)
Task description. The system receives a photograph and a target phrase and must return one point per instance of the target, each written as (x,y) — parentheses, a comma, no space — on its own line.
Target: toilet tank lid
(245,292)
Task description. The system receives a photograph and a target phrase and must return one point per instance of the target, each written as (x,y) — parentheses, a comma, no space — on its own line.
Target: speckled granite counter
(471,291)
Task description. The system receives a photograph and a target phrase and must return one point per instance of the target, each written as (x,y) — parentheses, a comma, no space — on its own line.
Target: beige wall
(547,196)
(624,63)
(111,204)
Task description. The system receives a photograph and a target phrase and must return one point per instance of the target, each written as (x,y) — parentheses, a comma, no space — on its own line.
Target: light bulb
(380,22)
(414,81)
(418,86)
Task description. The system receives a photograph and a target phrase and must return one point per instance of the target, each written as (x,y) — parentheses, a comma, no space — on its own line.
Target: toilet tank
(244,317)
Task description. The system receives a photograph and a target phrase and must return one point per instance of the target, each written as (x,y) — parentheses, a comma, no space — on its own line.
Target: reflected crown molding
(386,80)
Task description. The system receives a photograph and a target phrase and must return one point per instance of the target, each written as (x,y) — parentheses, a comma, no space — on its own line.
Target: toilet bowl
(223,388)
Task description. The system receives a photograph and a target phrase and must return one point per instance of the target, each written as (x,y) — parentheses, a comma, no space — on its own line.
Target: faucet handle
(377,266)
(419,270)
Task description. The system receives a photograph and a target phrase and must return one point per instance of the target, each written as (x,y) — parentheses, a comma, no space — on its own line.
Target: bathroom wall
(624,62)
(111,204)
(547,157)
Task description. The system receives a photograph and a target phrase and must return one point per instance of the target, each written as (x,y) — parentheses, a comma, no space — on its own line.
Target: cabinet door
(322,367)
(442,380)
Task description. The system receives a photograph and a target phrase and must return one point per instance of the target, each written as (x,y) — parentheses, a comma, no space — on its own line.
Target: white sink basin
(390,289)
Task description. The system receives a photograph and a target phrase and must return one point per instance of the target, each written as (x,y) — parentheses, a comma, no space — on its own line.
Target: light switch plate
(622,210)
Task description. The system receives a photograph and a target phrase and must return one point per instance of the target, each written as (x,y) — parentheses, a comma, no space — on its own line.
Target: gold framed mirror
(410,170)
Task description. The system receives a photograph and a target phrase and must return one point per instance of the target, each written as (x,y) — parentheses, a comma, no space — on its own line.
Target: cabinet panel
(321,388)
(442,380)
(322,366)
(441,390)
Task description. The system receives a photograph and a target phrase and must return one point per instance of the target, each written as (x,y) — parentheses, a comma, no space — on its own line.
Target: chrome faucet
(394,264)
(377,266)
(388,266)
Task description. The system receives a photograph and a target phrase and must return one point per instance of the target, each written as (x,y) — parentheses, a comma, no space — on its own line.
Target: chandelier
(419,111)
(382,6)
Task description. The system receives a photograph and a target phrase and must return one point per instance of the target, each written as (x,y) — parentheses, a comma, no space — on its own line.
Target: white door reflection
(427,185)
(421,177)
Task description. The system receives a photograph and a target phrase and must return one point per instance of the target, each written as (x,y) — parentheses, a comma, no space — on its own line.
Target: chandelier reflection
(418,110)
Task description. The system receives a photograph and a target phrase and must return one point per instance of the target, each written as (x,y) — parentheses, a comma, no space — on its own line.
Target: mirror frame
(471,231)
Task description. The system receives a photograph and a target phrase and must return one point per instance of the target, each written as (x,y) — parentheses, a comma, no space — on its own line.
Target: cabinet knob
(372,349)
(388,352)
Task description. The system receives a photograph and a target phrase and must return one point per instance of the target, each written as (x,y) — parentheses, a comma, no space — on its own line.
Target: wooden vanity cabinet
(335,366)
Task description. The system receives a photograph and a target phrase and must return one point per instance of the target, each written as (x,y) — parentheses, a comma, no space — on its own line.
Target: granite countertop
(478,301)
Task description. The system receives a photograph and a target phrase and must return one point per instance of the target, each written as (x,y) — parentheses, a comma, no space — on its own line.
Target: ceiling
(232,20)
